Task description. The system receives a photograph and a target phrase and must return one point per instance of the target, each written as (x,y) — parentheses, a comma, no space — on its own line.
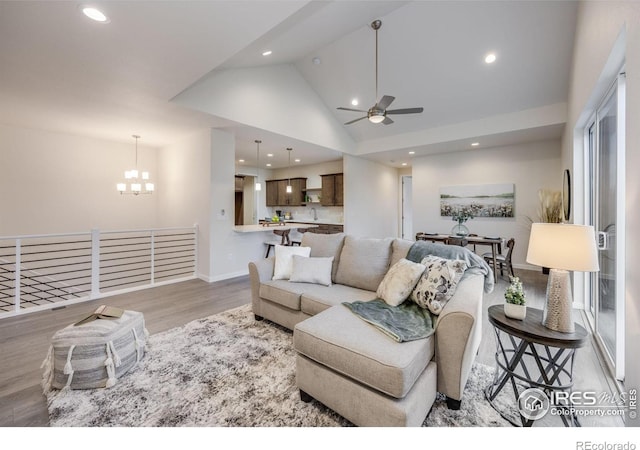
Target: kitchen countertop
(317,222)
(282,226)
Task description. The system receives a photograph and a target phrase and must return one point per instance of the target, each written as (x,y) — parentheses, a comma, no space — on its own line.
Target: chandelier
(136,182)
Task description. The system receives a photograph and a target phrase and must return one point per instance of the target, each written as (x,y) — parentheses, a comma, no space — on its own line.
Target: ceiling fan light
(376,119)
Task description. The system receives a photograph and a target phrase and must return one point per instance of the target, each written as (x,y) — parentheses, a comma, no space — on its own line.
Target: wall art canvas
(484,200)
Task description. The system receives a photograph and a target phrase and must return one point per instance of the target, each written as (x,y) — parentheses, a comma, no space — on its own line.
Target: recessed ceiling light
(412,153)
(266,53)
(475,144)
(354,102)
(270,155)
(490,58)
(316,61)
(95,14)
(241,160)
(268,164)
(296,160)
(404,164)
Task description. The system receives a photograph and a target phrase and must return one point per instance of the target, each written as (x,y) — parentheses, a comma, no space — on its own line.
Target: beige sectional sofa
(347,364)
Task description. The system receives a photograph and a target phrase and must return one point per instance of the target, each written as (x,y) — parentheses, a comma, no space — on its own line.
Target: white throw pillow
(399,281)
(439,282)
(284,260)
(315,270)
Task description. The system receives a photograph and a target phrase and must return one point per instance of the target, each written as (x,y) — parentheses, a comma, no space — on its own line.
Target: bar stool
(298,242)
(283,241)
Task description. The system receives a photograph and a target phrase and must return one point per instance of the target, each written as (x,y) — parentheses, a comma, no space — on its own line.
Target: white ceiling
(60,71)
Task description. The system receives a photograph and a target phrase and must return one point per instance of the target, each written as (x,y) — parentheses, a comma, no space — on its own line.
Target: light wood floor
(24,340)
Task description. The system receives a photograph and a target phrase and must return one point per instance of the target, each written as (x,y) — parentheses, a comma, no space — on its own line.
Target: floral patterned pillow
(438,282)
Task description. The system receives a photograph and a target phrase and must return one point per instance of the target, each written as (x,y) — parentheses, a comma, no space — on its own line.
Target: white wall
(244,95)
(183,196)
(230,252)
(56,183)
(529,166)
(599,25)
(370,198)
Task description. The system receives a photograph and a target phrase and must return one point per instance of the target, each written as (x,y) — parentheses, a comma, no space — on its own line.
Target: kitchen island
(272,227)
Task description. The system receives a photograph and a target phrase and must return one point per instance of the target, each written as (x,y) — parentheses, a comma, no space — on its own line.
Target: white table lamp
(561,247)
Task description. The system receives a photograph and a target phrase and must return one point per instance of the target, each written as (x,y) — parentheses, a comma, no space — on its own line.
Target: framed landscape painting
(484,200)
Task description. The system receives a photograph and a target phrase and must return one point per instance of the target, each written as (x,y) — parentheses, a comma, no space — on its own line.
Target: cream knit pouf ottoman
(94,354)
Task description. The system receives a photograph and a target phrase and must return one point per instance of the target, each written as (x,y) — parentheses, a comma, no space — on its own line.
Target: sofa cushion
(340,340)
(363,262)
(399,250)
(318,298)
(438,283)
(283,292)
(284,260)
(316,270)
(325,245)
(397,284)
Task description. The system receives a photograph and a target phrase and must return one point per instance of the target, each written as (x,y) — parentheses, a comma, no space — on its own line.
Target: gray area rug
(229,370)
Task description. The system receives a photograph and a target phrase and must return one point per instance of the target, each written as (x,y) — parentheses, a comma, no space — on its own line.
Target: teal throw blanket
(407,322)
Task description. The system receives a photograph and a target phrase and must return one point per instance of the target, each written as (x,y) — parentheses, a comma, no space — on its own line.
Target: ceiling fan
(379,113)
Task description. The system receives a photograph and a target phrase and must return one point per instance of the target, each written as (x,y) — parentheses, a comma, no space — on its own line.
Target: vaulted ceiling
(60,71)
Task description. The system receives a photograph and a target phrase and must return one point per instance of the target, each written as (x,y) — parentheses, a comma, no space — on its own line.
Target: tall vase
(460,230)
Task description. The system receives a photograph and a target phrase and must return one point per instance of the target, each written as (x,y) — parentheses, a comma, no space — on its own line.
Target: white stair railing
(48,271)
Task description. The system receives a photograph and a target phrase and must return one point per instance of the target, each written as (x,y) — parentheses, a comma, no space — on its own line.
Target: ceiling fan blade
(355,120)
(405,111)
(387,121)
(350,109)
(384,102)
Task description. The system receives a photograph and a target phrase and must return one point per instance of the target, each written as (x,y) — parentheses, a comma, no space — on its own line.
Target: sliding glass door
(605,142)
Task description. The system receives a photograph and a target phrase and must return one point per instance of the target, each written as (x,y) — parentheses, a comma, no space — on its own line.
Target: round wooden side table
(530,355)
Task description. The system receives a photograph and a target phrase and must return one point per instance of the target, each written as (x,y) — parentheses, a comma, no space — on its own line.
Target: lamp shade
(563,246)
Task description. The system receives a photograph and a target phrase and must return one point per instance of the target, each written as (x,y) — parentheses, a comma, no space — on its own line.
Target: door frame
(618,88)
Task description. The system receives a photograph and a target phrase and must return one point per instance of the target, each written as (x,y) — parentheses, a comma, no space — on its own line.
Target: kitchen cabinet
(332,190)
(277,192)
(324,228)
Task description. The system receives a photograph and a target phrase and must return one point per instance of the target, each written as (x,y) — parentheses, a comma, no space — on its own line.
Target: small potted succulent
(515,302)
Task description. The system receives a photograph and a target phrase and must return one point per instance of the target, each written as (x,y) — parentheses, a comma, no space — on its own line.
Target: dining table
(494,242)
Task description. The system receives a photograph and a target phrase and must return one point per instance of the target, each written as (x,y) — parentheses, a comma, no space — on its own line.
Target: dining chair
(284,240)
(503,260)
(474,245)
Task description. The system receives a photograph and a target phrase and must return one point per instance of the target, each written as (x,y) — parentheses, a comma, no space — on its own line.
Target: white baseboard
(224,276)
